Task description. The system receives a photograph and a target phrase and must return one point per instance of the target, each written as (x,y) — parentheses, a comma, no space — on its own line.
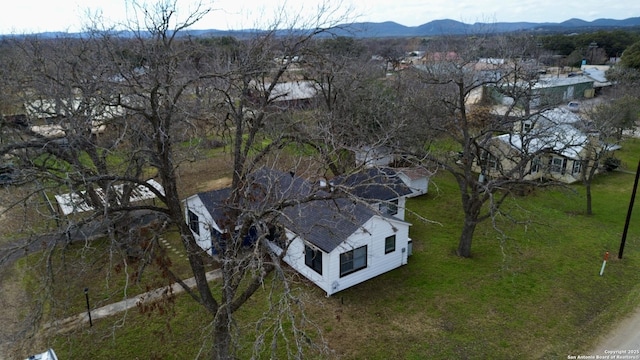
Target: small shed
(416,178)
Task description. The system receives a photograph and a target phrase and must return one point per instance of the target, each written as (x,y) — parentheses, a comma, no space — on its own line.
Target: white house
(201,210)
(598,74)
(337,247)
(332,240)
(557,142)
(373,156)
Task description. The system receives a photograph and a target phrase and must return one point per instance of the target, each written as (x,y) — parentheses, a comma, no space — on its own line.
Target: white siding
(402,201)
(206,223)
(418,186)
(377,229)
(373,157)
(295,258)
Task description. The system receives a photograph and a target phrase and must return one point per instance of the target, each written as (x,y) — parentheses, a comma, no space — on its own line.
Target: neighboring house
(333,241)
(553,90)
(50,114)
(78,202)
(89,108)
(489,70)
(548,91)
(373,156)
(286,95)
(47,355)
(555,142)
(597,73)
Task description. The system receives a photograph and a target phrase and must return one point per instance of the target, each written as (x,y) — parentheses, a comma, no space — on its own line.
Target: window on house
(194,222)
(352,261)
(277,236)
(490,161)
(526,126)
(389,207)
(535,165)
(577,167)
(313,259)
(390,244)
(557,165)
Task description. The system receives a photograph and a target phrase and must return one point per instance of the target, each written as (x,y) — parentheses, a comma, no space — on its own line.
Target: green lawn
(532,291)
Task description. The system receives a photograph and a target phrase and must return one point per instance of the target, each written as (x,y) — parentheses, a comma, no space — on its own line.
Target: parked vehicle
(574,106)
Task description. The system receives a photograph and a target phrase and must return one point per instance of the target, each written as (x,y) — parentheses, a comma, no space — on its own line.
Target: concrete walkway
(73,322)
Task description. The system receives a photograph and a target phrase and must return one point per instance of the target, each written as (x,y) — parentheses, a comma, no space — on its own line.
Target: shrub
(611,163)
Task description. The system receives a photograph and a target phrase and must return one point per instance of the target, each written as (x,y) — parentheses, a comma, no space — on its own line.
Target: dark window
(577,167)
(557,165)
(389,207)
(277,236)
(390,244)
(313,259)
(353,260)
(194,222)
(535,165)
(490,161)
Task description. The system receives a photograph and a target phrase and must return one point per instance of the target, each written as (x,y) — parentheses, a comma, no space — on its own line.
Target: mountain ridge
(433,28)
(453,27)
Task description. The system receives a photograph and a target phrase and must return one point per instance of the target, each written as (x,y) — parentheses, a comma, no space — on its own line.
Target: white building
(333,241)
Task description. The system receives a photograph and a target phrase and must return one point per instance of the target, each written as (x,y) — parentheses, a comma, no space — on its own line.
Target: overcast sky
(27,16)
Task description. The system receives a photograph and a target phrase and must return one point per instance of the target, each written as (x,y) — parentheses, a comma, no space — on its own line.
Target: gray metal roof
(327,223)
(378,184)
(318,217)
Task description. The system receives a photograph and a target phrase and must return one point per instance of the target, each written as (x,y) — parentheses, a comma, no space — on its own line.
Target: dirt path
(73,322)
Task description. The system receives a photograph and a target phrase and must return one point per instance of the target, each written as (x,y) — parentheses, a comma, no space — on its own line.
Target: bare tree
(454,87)
(360,109)
(138,98)
(604,124)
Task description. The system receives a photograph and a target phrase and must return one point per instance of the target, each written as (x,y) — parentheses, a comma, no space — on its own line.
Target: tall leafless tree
(150,90)
(453,85)
(605,124)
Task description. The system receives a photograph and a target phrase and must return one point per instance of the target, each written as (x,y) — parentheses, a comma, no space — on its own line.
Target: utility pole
(631,202)
(86,296)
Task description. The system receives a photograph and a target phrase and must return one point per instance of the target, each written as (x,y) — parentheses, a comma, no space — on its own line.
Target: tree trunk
(588,189)
(222,336)
(469,227)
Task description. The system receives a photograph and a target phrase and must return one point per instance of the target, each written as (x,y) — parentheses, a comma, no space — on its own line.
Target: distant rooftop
(552,81)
